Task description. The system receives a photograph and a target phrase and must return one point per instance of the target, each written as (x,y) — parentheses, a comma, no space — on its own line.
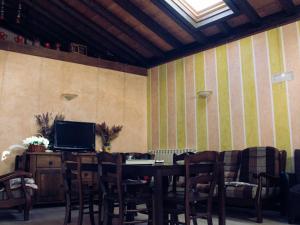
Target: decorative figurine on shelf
(107,134)
(36,43)
(19,39)
(57,46)
(3,36)
(77,48)
(47,45)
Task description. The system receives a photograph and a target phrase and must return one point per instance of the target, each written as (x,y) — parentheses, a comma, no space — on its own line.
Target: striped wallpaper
(245,109)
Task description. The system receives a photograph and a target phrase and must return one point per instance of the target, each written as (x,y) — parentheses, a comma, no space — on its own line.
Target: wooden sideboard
(46,170)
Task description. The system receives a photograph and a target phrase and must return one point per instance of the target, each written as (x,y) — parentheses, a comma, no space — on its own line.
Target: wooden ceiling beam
(155,27)
(224,27)
(288,6)
(183,23)
(113,43)
(248,10)
(57,23)
(124,27)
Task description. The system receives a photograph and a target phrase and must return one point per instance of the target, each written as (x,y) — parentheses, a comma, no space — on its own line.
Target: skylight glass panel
(200,5)
(201,12)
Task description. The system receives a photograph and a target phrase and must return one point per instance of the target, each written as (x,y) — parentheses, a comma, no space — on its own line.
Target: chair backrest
(110,173)
(181,157)
(71,170)
(256,160)
(231,161)
(297,165)
(201,174)
(179,180)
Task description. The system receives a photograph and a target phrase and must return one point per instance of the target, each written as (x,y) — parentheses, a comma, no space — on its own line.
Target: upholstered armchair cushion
(231,160)
(248,191)
(258,160)
(16,190)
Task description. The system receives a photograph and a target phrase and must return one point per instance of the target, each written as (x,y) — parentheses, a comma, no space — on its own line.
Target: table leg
(158,199)
(221,196)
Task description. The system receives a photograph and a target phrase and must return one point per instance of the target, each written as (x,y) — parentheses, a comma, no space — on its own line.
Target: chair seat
(16,190)
(16,193)
(248,191)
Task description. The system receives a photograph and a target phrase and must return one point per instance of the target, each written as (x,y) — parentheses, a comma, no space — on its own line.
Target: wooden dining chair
(201,175)
(178,182)
(116,193)
(79,193)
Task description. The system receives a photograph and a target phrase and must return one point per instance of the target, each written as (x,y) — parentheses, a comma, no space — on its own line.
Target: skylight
(201,12)
(199,5)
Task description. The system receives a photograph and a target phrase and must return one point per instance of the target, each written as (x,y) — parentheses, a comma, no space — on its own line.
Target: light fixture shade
(285,76)
(204,94)
(69,96)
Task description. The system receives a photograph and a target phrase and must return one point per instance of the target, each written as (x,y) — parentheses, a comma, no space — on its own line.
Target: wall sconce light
(69,96)
(204,94)
(285,76)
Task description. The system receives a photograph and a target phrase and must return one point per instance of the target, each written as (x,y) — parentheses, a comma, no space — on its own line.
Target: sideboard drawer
(48,162)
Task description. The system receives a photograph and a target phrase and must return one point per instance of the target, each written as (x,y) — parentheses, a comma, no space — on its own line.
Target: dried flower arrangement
(107,134)
(45,122)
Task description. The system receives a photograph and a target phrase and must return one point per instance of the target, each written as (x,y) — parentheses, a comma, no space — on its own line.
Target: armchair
(258,182)
(293,187)
(16,189)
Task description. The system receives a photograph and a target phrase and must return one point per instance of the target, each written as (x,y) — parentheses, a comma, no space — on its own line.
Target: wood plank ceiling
(140,32)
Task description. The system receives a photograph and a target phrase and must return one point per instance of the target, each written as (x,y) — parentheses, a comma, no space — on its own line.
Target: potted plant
(107,134)
(36,144)
(45,122)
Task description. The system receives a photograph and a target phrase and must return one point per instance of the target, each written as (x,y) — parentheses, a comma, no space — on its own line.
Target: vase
(36,148)
(106,148)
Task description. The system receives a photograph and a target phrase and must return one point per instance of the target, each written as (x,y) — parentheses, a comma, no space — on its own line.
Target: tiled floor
(55,215)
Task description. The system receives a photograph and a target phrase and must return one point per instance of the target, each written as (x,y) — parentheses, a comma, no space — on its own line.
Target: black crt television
(74,136)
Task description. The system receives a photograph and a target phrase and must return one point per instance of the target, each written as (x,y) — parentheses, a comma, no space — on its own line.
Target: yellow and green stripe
(163,107)
(223,94)
(149,131)
(180,104)
(200,103)
(250,104)
(280,105)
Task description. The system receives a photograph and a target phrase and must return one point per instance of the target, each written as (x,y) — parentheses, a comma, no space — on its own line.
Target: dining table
(159,172)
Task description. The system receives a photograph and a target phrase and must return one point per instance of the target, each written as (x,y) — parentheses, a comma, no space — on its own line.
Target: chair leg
(27,206)
(67,211)
(91,209)
(195,222)
(81,211)
(105,213)
(100,212)
(209,220)
(291,210)
(187,216)
(258,207)
(26,212)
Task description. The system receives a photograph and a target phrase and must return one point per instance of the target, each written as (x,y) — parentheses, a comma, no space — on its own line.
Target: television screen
(71,135)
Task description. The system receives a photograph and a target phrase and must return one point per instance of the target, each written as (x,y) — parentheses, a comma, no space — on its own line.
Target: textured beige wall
(30,85)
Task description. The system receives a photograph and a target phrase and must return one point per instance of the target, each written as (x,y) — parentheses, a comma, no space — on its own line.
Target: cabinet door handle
(50,163)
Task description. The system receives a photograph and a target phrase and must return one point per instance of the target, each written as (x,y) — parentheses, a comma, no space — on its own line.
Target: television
(74,136)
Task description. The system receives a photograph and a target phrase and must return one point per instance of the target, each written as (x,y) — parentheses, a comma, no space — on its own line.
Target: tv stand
(46,170)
